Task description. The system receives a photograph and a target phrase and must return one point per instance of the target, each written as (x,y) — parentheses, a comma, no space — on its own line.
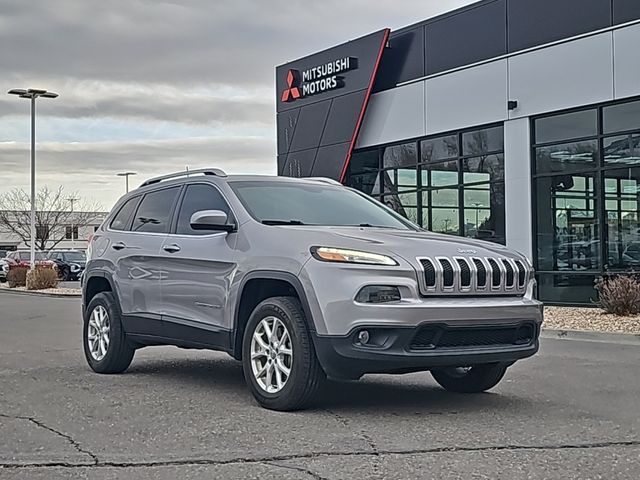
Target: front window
(309,204)
(75,257)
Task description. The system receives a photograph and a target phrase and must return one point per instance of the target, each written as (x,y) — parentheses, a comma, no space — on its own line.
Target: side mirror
(211,220)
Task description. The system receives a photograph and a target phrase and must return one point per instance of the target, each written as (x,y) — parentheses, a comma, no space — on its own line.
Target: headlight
(328,254)
(75,267)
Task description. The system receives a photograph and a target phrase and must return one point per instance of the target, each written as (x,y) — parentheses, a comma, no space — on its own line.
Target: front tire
(105,345)
(278,358)
(473,379)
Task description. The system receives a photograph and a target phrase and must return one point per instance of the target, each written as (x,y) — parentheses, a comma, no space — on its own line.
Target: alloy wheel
(271,354)
(98,332)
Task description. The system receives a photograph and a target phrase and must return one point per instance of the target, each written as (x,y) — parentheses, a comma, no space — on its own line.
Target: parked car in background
(70,263)
(4,269)
(23,258)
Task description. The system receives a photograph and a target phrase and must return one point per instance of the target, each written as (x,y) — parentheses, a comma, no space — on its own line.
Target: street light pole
(32,94)
(126,176)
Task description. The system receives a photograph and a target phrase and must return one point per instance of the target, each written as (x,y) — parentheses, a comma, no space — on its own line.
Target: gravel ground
(591,319)
(56,291)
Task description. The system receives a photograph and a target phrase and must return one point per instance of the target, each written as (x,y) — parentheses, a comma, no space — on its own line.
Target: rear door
(198,266)
(137,256)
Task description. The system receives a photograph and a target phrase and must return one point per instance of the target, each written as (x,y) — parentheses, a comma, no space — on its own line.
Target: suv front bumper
(404,349)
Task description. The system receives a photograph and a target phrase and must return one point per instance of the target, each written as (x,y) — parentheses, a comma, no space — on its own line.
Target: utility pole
(71,199)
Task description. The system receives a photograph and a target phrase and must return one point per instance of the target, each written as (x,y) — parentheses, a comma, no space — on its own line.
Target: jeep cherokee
(300,280)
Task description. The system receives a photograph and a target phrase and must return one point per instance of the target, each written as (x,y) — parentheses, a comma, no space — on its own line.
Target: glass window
(281,202)
(622,205)
(436,149)
(624,150)
(400,155)
(488,168)
(567,157)
(621,117)
(567,126)
(121,220)
(483,141)
(440,174)
(154,212)
(406,204)
(567,223)
(484,213)
(198,197)
(567,288)
(368,183)
(364,162)
(445,220)
(399,180)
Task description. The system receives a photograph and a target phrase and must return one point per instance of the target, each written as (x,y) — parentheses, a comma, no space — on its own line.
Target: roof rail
(216,172)
(330,181)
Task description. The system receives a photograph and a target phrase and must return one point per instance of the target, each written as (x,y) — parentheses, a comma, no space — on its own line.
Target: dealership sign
(319,79)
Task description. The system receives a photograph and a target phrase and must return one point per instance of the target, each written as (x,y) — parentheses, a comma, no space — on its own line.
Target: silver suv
(301,279)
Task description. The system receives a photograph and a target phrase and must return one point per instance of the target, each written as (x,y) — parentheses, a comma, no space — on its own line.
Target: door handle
(118,246)
(173,248)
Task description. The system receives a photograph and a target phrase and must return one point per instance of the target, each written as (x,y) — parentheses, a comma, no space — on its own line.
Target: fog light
(378,294)
(363,337)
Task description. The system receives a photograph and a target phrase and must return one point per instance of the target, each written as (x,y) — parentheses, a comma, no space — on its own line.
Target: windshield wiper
(282,222)
(368,225)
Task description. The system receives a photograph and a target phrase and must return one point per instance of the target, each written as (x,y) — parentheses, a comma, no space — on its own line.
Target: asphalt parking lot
(571,412)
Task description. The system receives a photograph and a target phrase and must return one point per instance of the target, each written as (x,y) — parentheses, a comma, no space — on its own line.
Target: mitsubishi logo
(292,92)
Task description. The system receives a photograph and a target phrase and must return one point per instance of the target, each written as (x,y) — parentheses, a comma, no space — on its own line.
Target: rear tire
(112,353)
(291,350)
(473,379)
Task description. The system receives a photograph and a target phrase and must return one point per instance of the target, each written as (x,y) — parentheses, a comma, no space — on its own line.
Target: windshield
(75,257)
(26,256)
(286,203)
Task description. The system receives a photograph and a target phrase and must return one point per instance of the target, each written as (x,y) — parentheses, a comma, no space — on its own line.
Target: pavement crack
(67,437)
(311,455)
(313,475)
(365,436)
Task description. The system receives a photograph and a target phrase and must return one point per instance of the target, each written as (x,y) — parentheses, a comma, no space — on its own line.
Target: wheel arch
(258,286)
(94,284)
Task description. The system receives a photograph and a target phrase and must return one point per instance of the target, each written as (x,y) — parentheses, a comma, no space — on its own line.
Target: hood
(407,244)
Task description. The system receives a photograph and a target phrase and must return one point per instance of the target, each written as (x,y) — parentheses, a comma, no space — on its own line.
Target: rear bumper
(394,350)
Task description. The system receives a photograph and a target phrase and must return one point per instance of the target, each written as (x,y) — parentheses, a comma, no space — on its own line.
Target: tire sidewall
(107,301)
(274,308)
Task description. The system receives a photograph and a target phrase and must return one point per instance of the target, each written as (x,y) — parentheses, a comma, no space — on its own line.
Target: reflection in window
(406,204)
(488,168)
(624,150)
(482,141)
(567,157)
(622,195)
(400,155)
(440,174)
(436,149)
(567,227)
(400,179)
(484,212)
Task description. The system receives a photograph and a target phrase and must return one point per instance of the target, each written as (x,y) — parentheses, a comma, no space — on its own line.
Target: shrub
(619,294)
(42,277)
(17,276)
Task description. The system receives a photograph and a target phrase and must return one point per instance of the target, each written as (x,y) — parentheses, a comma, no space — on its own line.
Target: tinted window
(441,148)
(483,141)
(400,155)
(567,126)
(199,197)
(567,157)
(154,212)
(121,220)
(620,118)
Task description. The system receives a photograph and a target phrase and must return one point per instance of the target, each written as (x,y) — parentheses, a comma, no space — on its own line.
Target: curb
(40,294)
(587,336)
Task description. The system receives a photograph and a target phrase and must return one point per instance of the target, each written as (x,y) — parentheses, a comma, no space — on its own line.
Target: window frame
(598,171)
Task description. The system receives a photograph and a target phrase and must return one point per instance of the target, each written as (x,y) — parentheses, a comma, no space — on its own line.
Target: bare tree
(53,215)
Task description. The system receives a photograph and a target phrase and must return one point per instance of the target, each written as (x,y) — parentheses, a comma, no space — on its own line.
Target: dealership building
(512,121)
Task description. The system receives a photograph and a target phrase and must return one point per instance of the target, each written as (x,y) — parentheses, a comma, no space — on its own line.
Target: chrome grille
(473,276)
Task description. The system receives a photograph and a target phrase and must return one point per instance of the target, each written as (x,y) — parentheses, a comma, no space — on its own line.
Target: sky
(154,86)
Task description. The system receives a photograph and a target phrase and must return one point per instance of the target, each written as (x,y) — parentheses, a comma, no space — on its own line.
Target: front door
(198,267)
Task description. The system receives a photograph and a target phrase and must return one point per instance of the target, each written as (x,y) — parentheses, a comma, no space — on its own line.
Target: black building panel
(298,164)
(311,122)
(467,37)
(403,60)
(287,122)
(342,116)
(625,11)
(532,23)
(320,102)
(330,161)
